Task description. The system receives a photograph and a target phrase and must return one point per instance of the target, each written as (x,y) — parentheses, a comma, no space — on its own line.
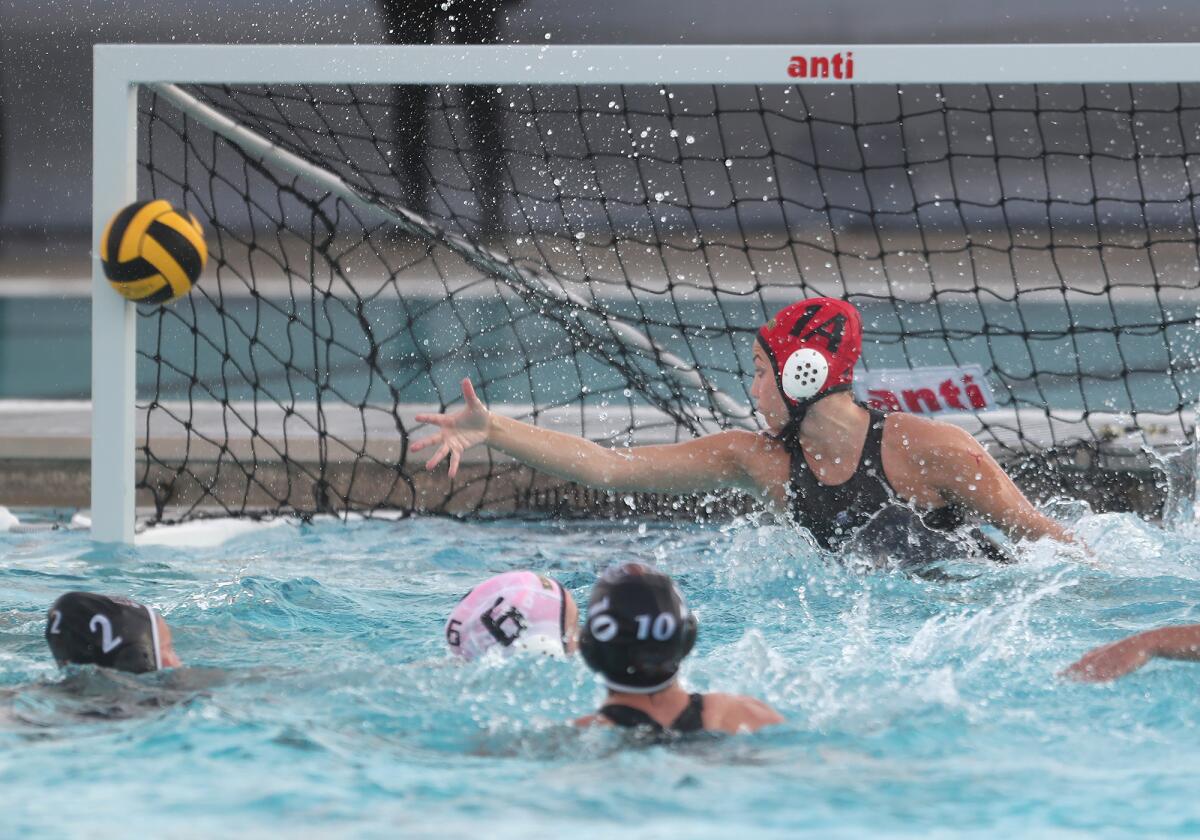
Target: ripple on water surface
(322,698)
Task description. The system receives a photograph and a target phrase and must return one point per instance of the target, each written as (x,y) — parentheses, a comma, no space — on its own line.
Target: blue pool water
(326,704)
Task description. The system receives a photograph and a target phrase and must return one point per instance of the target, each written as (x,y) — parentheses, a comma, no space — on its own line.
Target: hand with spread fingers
(456,432)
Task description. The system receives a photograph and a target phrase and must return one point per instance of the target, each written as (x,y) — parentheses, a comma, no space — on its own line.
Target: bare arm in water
(962,471)
(1126,656)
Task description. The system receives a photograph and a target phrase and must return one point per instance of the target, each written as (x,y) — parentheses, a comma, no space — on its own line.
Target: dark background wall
(45,54)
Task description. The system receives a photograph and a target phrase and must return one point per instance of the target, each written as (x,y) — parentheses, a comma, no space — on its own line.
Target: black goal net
(597,259)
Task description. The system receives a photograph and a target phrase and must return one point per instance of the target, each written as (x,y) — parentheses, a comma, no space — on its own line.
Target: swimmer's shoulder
(735,713)
(910,430)
(915,433)
(923,441)
(591,720)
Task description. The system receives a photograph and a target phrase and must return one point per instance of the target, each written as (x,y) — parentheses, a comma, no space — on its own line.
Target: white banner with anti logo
(927,390)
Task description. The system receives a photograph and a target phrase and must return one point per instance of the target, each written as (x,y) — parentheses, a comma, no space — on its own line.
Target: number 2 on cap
(107,642)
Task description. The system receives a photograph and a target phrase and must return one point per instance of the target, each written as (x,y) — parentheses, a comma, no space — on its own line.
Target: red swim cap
(813,345)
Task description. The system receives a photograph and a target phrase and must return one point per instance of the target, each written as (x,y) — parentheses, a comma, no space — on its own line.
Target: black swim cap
(638,629)
(83,628)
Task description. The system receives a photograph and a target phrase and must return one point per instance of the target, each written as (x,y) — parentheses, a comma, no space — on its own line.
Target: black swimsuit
(691,719)
(865,508)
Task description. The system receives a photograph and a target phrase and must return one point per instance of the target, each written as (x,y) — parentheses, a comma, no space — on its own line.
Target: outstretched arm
(707,463)
(962,470)
(1123,657)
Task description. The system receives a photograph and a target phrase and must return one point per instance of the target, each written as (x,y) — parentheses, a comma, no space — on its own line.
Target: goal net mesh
(596,259)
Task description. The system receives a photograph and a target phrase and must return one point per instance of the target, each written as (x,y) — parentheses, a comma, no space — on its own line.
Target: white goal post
(119,70)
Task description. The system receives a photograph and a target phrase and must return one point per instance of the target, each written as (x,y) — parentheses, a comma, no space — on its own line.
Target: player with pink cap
(514,611)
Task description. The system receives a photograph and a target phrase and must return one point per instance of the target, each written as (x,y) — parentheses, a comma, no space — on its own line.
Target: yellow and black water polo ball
(153,253)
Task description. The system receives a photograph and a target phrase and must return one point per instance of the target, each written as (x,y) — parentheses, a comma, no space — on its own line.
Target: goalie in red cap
(839,468)
(812,346)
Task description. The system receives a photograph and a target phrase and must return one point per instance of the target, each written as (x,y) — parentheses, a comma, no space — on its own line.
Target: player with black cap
(83,628)
(638,631)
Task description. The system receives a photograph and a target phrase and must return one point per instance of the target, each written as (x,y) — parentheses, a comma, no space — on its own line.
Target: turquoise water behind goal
(325,703)
(45,348)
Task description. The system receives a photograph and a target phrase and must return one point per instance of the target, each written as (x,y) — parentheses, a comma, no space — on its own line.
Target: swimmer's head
(812,347)
(638,629)
(514,611)
(83,628)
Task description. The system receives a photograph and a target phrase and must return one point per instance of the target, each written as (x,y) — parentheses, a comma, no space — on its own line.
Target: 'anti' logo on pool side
(928,390)
(835,66)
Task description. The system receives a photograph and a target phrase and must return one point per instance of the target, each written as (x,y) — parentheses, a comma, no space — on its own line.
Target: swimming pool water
(322,702)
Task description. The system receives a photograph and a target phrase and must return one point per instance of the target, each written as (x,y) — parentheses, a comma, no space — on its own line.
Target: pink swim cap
(513,610)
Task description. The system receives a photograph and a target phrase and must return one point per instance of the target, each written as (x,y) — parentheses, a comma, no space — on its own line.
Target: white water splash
(204,533)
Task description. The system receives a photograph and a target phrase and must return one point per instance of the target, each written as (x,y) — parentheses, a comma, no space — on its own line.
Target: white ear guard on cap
(804,374)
